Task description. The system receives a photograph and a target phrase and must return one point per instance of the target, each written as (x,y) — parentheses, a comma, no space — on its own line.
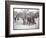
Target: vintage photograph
(25,18)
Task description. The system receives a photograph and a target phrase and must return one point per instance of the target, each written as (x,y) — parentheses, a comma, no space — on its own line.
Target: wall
(2,18)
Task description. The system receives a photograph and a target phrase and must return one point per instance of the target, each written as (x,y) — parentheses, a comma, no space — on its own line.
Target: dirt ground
(18,25)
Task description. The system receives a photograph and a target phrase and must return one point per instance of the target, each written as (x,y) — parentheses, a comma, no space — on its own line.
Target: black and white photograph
(25,18)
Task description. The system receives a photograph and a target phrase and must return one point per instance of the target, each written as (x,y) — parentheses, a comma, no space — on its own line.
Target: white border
(24,31)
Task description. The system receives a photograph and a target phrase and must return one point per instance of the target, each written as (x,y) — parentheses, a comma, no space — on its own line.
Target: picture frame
(12,30)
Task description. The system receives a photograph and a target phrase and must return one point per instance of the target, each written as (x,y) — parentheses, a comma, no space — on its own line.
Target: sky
(29,10)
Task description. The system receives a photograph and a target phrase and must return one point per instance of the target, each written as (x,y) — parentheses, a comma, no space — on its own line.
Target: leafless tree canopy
(26,15)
